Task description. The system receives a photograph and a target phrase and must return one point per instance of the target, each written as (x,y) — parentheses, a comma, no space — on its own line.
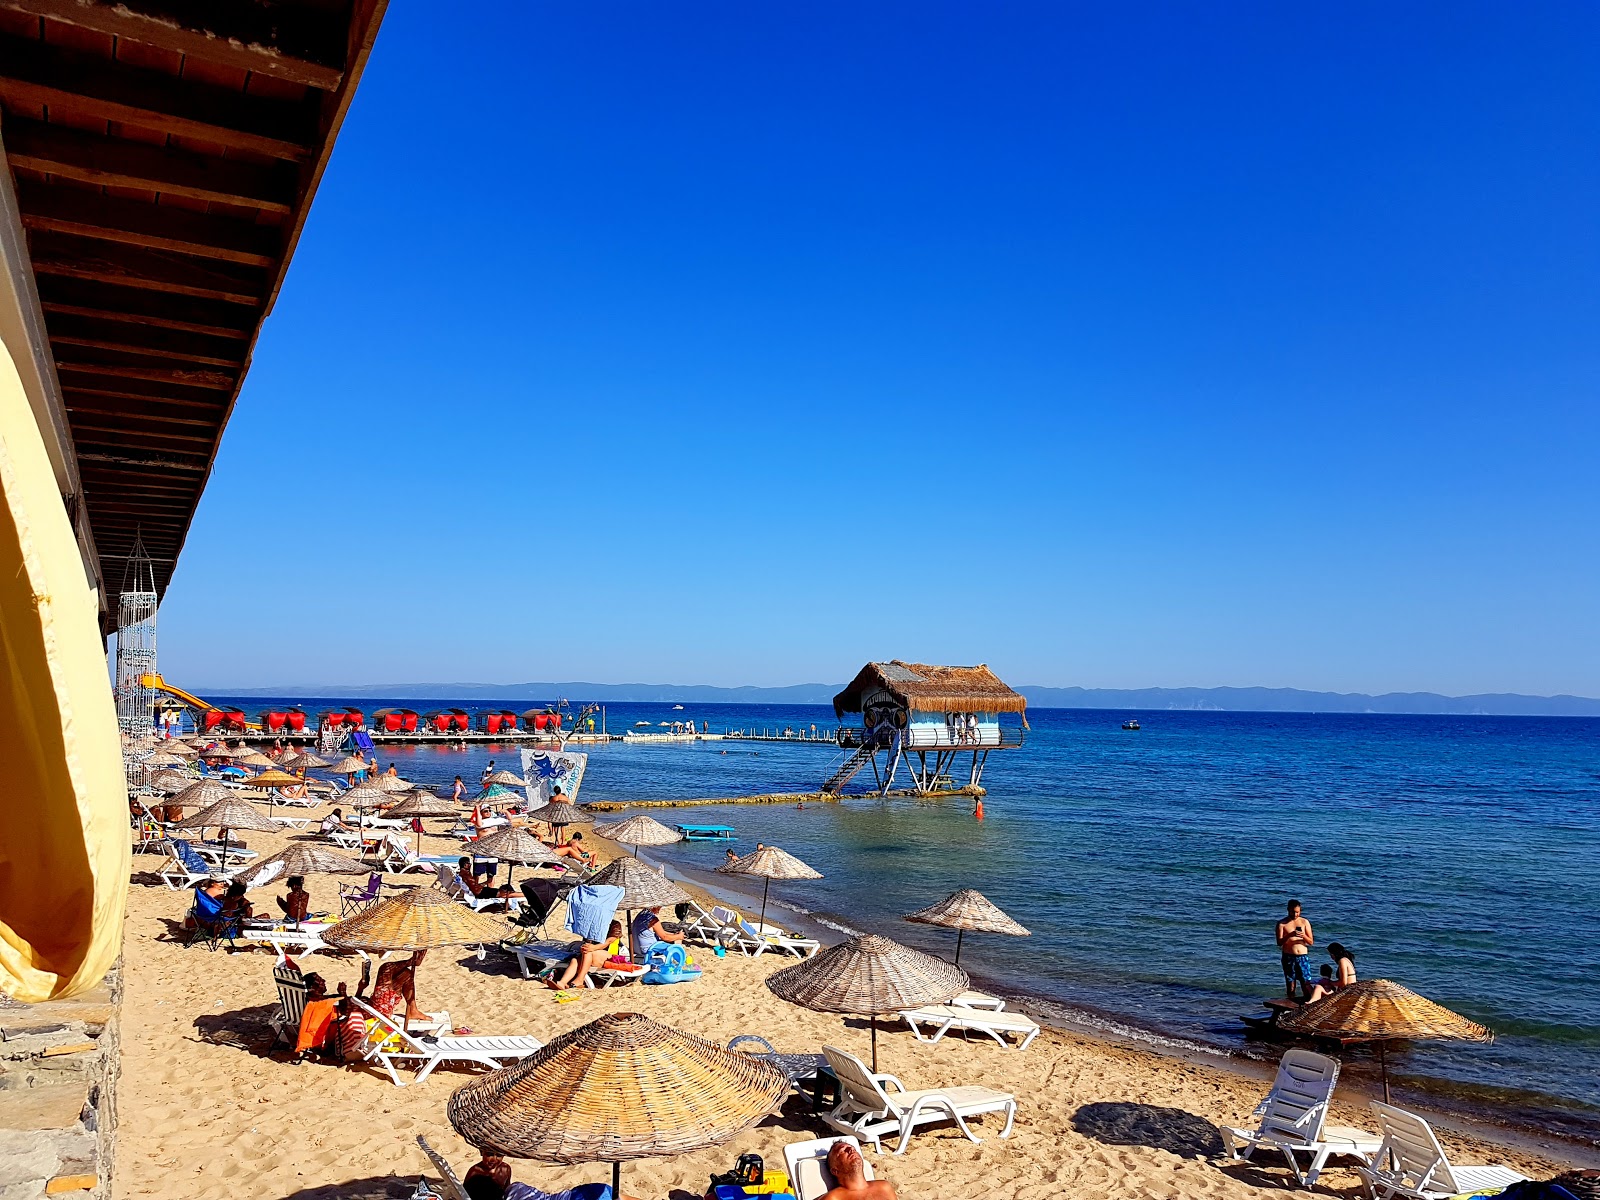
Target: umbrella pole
(874,1019)
(616,1179)
(762,930)
(1383,1065)
(959,934)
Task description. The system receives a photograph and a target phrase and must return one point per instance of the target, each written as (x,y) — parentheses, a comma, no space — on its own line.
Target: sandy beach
(206,1113)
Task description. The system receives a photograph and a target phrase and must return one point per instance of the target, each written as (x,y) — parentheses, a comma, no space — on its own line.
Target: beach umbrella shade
(423,803)
(505,779)
(770,863)
(417,919)
(621,1088)
(365,795)
(169,782)
(639,831)
(642,887)
(164,758)
(390,783)
(561,814)
(181,748)
(1381,1011)
(203,793)
(246,757)
(227,815)
(219,751)
(349,765)
(967,909)
(868,975)
(304,762)
(272,777)
(299,858)
(512,845)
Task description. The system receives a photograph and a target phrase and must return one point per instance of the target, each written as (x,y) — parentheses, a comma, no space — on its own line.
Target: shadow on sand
(1172,1129)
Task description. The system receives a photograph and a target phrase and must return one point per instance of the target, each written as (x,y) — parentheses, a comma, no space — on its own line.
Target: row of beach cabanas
(293,720)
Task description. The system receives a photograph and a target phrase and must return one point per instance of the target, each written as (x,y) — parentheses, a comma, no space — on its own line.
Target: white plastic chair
(868,1110)
(940,1019)
(1410,1162)
(1292,1119)
(390,1043)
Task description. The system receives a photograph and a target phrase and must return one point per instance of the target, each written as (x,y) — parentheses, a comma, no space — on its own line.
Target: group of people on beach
(1295,939)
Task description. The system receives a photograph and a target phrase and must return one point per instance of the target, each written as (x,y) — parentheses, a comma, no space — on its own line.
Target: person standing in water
(977,808)
(1295,940)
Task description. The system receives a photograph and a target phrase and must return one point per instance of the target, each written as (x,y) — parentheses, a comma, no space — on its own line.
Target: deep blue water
(1457,855)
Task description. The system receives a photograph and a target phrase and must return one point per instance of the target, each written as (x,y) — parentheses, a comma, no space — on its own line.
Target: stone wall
(58,1082)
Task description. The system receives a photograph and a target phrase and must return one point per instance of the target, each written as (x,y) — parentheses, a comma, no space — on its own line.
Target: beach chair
(776,939)
(345,839)
(291,1003)
(296,823)
(807,1165)
(221,858)
(1410,1162)
(391,1044)
(354,899)
(1292,1119)
(733,936)
(304,941)
(868,1109)
(940,1019)
(698,925)
(979,1000)
(398,857)
(183,868)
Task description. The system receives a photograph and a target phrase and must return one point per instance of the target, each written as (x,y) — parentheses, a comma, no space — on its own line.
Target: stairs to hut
(847,770)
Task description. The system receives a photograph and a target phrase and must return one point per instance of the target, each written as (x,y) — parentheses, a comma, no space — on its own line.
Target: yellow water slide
(64,845)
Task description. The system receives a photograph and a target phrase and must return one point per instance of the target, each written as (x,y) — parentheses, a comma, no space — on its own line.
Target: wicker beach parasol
(164,758)
(203,794)
(219,751)
(770,863)
(169,782)
(642,887)
(272,777)
(964,910)
(639,831)
(181,748)
(417,919)
(349,765)
(227,815)
(561,814)
(365,795)
(620,1088)
(246,757)
(868,975)
(1381,1011)
(423,803)
(505,779)
(514,844)
(304,762)
(299,858)
(390,783)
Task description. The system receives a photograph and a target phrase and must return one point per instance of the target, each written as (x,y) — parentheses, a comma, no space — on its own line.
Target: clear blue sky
(1112,345)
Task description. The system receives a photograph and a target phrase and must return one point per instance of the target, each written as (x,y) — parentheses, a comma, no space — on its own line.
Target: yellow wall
(64,844)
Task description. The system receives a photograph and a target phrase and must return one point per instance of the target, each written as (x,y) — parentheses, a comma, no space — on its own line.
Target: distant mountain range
(1223,699)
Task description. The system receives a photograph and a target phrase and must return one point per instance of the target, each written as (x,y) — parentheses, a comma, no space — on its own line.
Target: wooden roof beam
(90,214)
(153,270)
(162,310)
(72,337)
(73,154)
(182,376)
(284,41)
(35,74)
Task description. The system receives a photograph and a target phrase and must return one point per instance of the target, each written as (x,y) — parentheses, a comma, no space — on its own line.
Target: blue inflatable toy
(669,963)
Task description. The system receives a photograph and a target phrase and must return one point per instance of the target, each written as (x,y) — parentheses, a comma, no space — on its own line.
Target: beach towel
(590,909)
(187,856)
(314,1023)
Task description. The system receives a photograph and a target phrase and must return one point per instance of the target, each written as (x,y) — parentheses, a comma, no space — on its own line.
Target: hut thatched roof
(924,688)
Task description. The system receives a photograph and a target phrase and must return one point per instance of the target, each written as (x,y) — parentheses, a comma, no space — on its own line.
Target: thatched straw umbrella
(203,794)
(390,783)
(423,803)
(172,781)
(514,845)
(181,748)
(561,814)
(642,887)
(304,762)
(246,757)
(299,858)
(1381,1011)
(417,919)
(217,753)
(227,815)
(349,765)
(163,758)
(770,863)
(639,831)
(964,910)
(868,975)
(272,779)
(620,1088)
(505,779)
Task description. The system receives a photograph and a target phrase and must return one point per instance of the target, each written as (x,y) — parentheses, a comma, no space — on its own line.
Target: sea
(1458,855)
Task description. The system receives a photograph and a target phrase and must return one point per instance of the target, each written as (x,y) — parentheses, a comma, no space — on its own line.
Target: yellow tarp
(64,842)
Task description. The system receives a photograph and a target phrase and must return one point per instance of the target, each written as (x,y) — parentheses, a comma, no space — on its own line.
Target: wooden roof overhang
(164,155)
(925,688)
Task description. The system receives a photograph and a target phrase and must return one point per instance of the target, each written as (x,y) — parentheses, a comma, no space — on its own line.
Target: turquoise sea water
(1457,855)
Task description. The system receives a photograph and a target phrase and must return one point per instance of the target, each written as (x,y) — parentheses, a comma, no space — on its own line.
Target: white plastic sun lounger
(867,1109)
(931,1022)
(776,939)
(1292,1119)
(390,1044)
(1410,1162)
(807,1164)
(303,941)
(979,1000)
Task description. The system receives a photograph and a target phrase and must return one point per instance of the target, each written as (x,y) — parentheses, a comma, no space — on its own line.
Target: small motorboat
(677,708)
(637,724)
(1130,724)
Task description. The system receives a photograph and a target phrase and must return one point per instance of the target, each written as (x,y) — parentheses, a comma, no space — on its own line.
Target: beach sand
(204,1113)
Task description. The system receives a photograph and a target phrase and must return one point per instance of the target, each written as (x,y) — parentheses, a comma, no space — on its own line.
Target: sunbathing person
(334,821)
(572,849)
(490,1179)
(850,1177)
(648,930)
(589,956)
(395,985)
(236,908)
(297,902)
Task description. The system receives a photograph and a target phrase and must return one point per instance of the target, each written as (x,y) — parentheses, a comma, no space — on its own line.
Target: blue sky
(1110,345)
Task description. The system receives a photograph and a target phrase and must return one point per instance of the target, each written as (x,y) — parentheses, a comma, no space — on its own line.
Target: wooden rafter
(93,214)
(36,75)
(300,45)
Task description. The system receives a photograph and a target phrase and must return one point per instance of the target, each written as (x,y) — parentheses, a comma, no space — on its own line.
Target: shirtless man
(850,1177)
(1294,944)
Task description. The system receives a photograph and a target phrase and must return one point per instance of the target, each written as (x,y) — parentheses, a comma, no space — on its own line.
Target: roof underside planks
(164,155)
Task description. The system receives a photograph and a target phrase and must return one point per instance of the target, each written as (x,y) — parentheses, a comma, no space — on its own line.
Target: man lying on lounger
(850,1177)
(573,849)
